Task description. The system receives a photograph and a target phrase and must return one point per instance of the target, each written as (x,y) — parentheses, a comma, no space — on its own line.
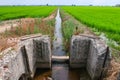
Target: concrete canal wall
(91,53)
(32,52)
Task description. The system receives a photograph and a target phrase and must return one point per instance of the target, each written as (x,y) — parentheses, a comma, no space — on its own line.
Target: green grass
(103,19)
(68,29)
(15,12)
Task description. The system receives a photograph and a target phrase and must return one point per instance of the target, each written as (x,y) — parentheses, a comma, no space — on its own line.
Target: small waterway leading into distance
(60,71)
(58,49)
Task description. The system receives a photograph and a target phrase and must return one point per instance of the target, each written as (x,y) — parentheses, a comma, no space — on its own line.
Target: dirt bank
(12,30)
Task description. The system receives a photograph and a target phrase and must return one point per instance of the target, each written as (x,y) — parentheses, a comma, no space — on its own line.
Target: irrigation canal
(60,70)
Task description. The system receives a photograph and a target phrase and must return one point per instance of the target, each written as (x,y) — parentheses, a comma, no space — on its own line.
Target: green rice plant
(15,12)
(104,19)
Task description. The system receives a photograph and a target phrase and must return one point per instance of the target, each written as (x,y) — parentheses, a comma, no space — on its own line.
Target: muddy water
(60,70)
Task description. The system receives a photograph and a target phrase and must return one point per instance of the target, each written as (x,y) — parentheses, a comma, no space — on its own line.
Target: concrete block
(91,53)
(21,63)
(12,66)
(97,59)
(42,50)
(79,51)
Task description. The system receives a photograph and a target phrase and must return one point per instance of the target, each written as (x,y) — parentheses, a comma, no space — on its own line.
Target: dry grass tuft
(113,71)
(26,26)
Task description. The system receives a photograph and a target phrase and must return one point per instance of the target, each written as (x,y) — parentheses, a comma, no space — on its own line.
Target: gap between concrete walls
(35,52)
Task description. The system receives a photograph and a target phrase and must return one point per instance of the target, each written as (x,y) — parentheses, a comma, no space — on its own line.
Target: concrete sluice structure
(20,64)
(35,52)
(92,53)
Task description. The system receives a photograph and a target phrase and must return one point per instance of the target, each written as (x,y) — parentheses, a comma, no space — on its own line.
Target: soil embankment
(12,30)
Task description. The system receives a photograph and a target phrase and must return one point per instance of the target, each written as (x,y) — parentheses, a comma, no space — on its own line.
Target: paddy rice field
(15,12)
(101,19)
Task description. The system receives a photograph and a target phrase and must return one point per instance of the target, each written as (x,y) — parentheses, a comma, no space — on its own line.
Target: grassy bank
(69,28)
(32,26)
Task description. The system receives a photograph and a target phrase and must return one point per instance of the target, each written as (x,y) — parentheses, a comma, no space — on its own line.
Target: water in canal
(60,71)
(58,41)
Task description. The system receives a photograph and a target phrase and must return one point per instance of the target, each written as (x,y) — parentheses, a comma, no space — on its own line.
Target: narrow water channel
(60,71)
(58,49)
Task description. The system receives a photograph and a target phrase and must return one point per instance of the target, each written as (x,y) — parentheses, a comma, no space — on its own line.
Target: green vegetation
(13,12)
(103,19)
(69,28)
